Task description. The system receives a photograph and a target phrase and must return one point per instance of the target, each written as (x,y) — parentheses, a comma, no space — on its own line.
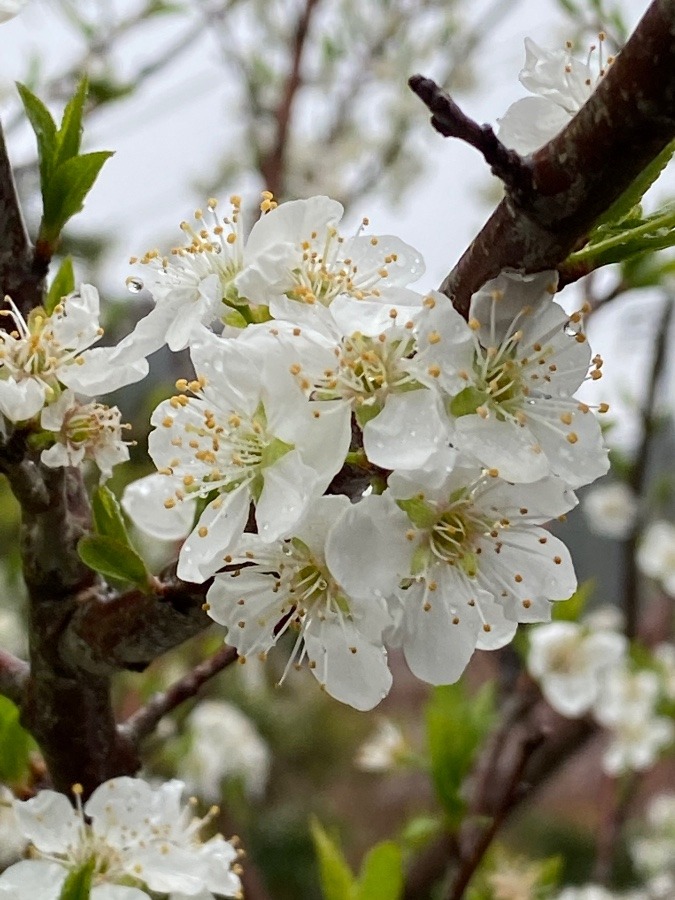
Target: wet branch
(13,676)
(144,721)
(575,177)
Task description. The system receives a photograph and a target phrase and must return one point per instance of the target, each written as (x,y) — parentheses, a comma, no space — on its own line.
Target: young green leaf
(623,206)
(44,127)
(381,873)
(62,285)
(67,190)
(456,725)
(571,610)
(337,880)
(16,744)
(108,519)
(113,559)
(69,135)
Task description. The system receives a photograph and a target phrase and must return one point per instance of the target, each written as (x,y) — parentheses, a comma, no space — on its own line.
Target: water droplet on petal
(569,329)
(217,248)
(134,285)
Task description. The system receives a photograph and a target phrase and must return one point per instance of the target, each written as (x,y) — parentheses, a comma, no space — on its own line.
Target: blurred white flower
(656,554)
(653,851)
(383,750)
(224,744)
(569,662)
(627,708)
(10,8)
(610,510)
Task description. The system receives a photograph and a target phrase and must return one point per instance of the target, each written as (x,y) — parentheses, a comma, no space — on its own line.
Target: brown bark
(565,186)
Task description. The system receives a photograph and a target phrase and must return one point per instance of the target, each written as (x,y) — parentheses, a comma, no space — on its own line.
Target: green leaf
(337,880)
(572,610)
(108,519)
(77,885)
(44,127)
(69,135)
(456,723)
(16,744)
(67,190)
(113,559)
(62,285)
(381,873)
(616,243)
(638,188)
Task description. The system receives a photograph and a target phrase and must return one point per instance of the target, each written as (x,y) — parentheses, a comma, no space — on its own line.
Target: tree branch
(575,177)
(273,166)
(13,676)
(144,721)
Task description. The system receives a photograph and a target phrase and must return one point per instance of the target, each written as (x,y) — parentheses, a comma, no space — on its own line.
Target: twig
(273,165)
(14,674)
(618,796)
(449,120)
(574,178)
(638,474)
(512,794)
(144,721)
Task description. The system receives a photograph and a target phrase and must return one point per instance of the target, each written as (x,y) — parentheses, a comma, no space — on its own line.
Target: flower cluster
(48,372)
(585,669)
(320,373)
(129,841)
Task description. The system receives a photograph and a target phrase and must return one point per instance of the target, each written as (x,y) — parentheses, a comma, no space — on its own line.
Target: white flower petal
(32,879)
(219,527)
(143,501)
(48,820)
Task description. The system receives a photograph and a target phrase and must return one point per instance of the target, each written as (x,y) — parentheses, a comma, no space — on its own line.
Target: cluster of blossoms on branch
(326,375)
(587,668)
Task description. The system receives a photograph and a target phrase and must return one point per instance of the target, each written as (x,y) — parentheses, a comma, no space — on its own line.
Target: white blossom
(39,355)
(290,585)
(83,431)
(462,562)
(656,554)
(295,251)
(361,353)
(224,743)
(509,374)
(611,510)
(561,84)
(193,285)
(383,750)
(243,437)
(569,661)
(136,838)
